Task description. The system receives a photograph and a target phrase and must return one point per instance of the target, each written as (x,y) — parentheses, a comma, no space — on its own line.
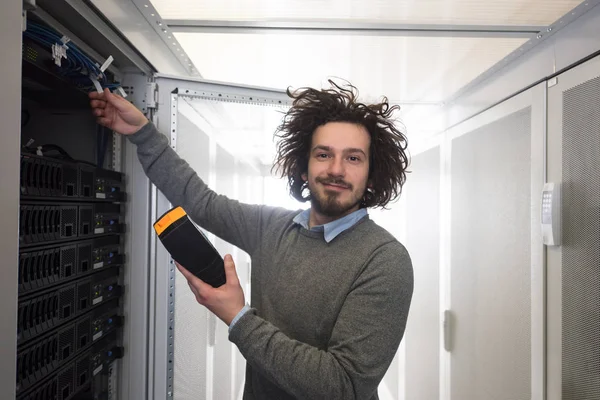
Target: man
(331,290)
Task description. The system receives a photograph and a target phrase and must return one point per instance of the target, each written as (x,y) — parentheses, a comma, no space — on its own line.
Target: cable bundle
(77,66)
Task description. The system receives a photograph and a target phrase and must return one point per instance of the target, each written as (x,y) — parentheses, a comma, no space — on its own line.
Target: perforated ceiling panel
(499,12)
(491,261)
(581,242)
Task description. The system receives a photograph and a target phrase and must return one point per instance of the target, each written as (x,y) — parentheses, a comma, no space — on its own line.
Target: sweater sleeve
(363,343)
(237,223)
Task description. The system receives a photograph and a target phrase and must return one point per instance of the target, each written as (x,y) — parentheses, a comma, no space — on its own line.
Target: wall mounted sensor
(189,247)
(551,214)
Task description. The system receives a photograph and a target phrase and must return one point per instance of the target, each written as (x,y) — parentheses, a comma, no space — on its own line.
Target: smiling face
(338,170)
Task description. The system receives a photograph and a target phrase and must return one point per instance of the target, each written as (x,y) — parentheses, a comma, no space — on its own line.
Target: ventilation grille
(84,295)
(86,183)
(68,261)
(67,343)
(83,372)
(83,333)
(67,303)
(69,188)
(86,221)
(581,242)
(66,384)
(85,257)
(68,217)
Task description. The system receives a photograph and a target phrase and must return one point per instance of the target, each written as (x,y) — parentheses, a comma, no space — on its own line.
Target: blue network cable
(77,66)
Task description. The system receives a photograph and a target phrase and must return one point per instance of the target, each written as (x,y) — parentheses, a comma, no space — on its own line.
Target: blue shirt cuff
(238,316)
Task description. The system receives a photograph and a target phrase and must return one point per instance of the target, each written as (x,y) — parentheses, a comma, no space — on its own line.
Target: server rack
(71,227)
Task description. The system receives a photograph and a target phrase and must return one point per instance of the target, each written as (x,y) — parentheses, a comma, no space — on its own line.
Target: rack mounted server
(51,179)
(70,259)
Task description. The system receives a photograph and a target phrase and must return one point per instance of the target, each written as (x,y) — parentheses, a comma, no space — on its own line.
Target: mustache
(334,181)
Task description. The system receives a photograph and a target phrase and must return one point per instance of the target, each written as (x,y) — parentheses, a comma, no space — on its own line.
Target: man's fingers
(104,121)
(98,103)
(192,279)
(188,275)
(96,95)
(230,273)
(116,101)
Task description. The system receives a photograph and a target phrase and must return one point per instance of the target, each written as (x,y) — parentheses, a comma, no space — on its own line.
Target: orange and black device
(189,247)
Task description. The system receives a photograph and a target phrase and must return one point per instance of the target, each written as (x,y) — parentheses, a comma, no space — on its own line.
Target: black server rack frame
(70,241)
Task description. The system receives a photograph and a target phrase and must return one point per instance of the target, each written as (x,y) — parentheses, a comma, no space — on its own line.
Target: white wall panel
(391,219)
(565,45)
(191,319)
(423,244)
(223,349)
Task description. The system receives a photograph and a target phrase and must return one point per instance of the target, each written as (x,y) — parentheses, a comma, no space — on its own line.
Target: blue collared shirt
(330,231)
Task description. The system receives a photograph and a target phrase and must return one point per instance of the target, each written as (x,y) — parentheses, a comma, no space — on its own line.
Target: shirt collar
(334,228)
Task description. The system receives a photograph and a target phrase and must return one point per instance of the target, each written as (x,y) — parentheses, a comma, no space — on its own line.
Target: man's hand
(225,301)
(116,113)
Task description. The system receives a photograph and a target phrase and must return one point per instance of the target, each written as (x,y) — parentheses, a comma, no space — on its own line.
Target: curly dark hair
(313,108)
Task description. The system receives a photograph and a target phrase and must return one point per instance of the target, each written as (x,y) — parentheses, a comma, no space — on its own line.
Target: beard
(327,202)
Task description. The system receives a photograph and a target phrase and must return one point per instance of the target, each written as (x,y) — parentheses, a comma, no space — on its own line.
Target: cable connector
(106,64)
(59,51)
(121,91)
(96,83)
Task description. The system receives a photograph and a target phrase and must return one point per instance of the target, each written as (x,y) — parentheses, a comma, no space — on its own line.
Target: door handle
(447,327)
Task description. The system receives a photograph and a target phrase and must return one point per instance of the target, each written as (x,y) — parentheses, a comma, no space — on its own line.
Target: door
(496,282)
(476,328)
(574,266)
(221,130)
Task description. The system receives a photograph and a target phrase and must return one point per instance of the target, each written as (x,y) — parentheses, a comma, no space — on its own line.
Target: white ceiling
(417,72)
(477,12)
(405,69)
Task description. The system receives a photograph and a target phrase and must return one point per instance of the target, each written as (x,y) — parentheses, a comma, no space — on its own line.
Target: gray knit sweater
(326,318)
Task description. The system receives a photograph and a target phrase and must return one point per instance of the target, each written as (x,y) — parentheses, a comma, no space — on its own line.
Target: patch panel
(42,312)
(41,268)
(52,351)
(78,375)
(42,223)
(52,179)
